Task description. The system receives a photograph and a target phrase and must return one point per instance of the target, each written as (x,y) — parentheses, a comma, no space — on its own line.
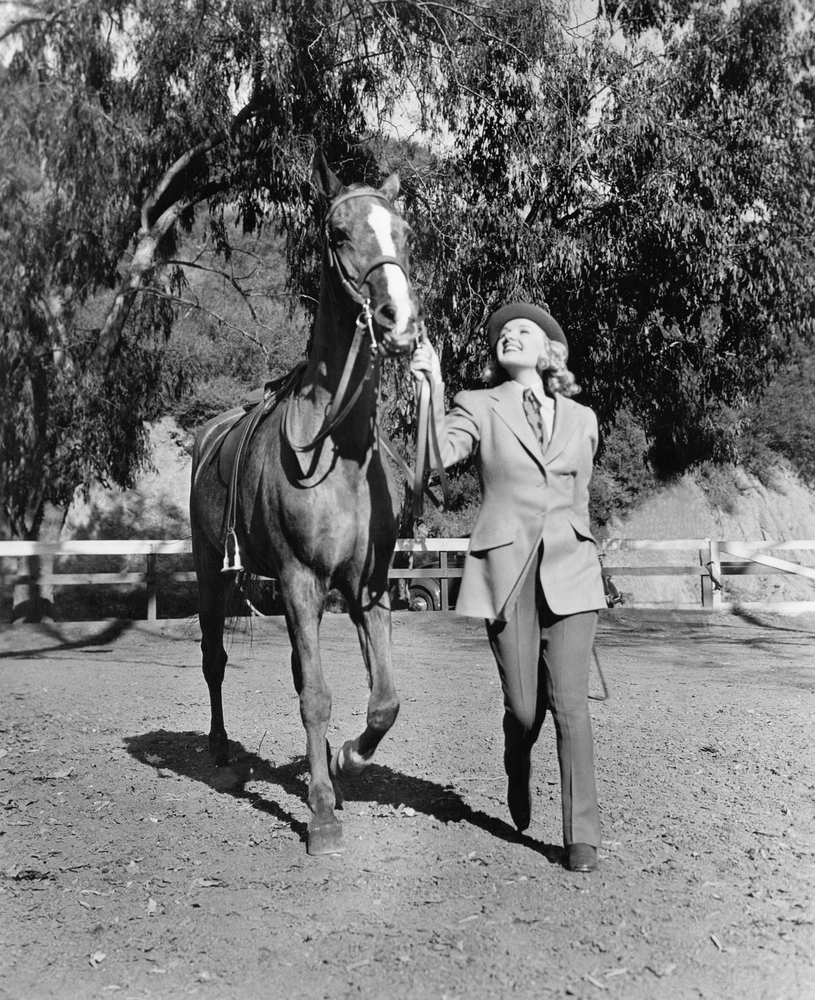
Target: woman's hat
(523,310)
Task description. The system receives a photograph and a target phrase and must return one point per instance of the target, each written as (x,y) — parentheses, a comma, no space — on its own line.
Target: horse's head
(366,241)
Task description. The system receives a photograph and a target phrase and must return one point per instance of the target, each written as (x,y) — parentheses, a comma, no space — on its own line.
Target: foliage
(661,203)
(120,118)
(658,198)
(623,477)
(782,422)
(720,485)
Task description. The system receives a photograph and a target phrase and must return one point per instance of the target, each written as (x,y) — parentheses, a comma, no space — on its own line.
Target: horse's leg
(303,614)
(212,586)
(373,622)
(297,677)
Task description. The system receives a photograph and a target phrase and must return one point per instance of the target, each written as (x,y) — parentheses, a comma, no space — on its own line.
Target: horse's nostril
(385,315)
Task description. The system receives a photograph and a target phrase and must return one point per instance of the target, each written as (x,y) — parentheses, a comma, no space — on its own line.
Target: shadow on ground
(187,754)
(108,633)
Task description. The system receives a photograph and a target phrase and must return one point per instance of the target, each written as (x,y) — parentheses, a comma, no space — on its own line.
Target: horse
(312,501)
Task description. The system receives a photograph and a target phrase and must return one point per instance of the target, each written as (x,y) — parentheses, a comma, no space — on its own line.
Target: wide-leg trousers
(543,661)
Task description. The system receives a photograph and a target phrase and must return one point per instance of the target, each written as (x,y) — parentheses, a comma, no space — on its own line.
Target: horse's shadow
(187,754)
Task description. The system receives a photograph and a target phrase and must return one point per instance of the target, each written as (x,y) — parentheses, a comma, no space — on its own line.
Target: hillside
(158,509)
(752,513)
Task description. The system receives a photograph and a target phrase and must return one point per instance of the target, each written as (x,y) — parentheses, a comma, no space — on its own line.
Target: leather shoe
(519,770)
(582,858)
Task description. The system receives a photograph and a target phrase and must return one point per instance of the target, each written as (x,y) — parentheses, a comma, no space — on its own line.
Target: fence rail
(717,559)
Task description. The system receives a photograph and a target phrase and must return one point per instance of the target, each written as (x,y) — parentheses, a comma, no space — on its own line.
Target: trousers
(544,660)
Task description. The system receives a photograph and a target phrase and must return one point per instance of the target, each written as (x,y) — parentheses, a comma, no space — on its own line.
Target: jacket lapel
(508,405)
(565,426)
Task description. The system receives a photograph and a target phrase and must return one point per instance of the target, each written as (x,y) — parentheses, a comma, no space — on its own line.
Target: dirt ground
(128,868)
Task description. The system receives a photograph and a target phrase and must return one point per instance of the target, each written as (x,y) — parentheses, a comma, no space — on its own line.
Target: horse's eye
(340,237)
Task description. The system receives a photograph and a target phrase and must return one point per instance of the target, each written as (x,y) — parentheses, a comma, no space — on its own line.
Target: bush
(209,399)
(782,422)
(623,476)
(464,501)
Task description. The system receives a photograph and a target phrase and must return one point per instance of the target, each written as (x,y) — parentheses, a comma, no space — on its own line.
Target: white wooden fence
(717,560)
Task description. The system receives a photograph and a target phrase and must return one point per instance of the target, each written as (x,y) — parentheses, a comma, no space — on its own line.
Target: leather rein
(426,436)
(284,389)
(340,407)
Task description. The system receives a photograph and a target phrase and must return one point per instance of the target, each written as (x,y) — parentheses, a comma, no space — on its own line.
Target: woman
(532,569)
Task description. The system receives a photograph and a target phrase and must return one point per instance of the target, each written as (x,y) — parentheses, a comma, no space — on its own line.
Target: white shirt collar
(546,402)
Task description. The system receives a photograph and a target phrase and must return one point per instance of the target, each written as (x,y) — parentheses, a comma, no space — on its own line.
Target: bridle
(284,389)
(427,441)
(351,284)
(340,407)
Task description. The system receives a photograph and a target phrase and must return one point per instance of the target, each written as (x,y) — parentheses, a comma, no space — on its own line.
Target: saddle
(257,406)
(227,454)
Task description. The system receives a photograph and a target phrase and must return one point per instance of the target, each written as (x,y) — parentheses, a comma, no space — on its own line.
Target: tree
(658,200)
(120,119)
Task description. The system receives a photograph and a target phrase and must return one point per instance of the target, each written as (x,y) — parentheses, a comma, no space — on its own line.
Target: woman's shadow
(187,754)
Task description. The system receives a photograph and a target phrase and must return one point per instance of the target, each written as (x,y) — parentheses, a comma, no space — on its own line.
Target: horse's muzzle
(393,338)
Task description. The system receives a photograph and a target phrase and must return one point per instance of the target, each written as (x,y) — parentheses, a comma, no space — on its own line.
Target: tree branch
(152,232)
(212,315)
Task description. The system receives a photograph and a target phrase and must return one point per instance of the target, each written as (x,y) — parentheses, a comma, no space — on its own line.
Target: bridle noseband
(340,407)
(351,284)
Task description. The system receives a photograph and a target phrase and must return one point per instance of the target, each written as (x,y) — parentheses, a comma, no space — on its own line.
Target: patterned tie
(532,410)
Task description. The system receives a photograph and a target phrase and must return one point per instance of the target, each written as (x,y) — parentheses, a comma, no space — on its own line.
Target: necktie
(533,415)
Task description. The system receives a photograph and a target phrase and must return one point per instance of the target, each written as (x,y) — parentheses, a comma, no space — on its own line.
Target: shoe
(519,770)
(582,858)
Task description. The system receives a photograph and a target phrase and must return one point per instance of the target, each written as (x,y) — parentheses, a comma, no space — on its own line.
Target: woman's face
(520,345)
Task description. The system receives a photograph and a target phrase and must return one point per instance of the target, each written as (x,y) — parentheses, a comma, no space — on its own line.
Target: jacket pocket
(581,529)
(491,536)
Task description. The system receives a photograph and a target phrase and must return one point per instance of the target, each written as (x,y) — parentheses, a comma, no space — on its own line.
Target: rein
(338,410)
(340,406)
(427,443)
(426,436)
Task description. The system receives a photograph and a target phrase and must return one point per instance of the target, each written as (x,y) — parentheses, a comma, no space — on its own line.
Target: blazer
(528,498)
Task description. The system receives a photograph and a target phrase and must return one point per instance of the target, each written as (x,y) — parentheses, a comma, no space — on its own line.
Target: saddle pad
(259,403)
(228,452)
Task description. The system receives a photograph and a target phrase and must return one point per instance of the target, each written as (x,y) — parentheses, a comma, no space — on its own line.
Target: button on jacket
(528,497)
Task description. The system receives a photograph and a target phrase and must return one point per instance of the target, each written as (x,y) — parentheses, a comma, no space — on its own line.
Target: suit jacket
(527,498)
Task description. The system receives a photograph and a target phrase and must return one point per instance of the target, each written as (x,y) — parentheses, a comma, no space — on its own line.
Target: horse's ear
(324,178)
(390,188)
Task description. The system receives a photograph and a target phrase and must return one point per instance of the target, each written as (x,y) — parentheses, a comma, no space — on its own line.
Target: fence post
(152,585)
(707,585)
(445,594)
(715,569)
(712,580)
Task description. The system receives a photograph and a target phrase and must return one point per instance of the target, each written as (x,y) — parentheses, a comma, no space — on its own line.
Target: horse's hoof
(219,748)
(325,837)
(224,779)
(346,761)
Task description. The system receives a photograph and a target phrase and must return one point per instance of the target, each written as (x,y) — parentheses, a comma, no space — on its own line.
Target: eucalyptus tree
(657,197)
(122,118)
(657,194)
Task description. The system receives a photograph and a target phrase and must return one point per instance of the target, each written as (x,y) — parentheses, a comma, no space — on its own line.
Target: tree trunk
(33,601)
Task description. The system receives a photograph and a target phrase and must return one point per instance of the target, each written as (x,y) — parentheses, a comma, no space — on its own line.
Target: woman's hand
(425,361)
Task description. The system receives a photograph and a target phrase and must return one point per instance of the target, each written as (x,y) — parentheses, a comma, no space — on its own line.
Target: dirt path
(125,873)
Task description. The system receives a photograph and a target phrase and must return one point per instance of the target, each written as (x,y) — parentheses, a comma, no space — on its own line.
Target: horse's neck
(332,339)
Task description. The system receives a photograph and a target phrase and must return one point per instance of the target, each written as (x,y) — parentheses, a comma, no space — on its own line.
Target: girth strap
(275,392)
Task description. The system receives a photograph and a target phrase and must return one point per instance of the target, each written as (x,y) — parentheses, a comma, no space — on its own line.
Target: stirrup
(232,554)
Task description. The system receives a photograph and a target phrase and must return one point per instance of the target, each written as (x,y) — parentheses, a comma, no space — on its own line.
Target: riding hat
(524,310)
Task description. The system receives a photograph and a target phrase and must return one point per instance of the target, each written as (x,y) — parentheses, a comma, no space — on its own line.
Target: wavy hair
(552,369)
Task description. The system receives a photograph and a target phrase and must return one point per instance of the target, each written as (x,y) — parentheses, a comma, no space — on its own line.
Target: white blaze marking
(379,220)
